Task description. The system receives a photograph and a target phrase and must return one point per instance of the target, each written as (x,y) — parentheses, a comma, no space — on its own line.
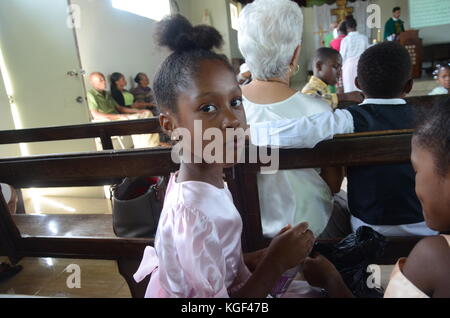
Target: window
(151,9)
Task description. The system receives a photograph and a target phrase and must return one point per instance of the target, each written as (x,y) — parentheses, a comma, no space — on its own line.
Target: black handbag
(136,206)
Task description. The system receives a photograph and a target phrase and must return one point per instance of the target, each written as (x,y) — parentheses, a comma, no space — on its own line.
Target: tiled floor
(47,277)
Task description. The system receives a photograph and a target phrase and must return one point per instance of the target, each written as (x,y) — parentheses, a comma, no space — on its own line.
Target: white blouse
(291,196)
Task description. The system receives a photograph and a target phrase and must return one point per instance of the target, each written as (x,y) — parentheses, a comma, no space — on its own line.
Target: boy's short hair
(324,54)
(433,133)
(396,9)
(384,69)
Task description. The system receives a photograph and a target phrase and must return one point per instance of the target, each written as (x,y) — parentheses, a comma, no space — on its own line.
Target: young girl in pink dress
(426,271)
(198,243)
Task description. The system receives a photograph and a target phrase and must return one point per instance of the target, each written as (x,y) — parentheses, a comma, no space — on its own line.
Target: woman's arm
(333,176)
(302,132)
(126,110)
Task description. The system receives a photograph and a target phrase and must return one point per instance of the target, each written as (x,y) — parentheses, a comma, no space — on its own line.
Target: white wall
(194,11)
(112,40)
(6,123)
(307,49)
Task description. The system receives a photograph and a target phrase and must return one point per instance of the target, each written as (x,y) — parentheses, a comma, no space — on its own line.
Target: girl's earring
(297,69)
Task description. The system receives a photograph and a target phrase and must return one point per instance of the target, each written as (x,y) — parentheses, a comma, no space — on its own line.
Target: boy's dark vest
(383,194)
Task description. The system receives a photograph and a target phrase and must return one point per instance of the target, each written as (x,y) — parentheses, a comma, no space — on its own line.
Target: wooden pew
(90,169)
(104,131)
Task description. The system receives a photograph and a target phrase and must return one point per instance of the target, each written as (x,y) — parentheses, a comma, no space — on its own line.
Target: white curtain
(323,18)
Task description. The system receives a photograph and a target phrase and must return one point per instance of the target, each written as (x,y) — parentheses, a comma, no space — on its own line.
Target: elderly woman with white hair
(269,36)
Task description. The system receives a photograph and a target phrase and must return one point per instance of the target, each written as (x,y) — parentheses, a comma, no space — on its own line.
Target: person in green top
(332,35)
(102,105)
(394,26)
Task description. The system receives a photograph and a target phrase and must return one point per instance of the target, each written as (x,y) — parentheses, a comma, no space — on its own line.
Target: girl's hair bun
(178,34)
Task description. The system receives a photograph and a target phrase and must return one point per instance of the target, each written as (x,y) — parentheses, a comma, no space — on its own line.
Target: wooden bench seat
(72,225)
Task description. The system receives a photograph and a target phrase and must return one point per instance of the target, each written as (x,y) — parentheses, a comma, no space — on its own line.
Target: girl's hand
(291,246)
(253,259)
(319,271)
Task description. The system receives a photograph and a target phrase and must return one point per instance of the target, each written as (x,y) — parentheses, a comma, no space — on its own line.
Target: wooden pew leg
(20,202)
(127,267)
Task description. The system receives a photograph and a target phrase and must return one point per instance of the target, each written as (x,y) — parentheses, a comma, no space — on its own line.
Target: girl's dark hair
(190,45)
(433,134)
(115,93)
(439,68)
(137,79)
(113,79)
(350,22)
(342,29)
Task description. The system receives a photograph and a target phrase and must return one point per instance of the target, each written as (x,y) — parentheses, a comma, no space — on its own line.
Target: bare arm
(356,97)
(333,176)
(126,110)
(97,114)
(286,250)
(427,267)
(253,259)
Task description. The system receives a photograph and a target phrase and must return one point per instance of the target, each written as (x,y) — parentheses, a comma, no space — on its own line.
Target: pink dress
(197,246)
(401,287)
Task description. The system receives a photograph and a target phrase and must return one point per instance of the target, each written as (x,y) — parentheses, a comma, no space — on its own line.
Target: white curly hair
(268,34)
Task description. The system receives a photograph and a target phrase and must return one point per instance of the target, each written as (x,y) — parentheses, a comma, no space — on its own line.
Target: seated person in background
(327,67)
(379,196)
(104,107)
(143,93)
(300,195)
(120,94)
(442,76)
(425,273)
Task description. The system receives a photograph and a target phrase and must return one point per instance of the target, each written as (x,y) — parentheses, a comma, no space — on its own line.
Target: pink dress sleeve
(191,261)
